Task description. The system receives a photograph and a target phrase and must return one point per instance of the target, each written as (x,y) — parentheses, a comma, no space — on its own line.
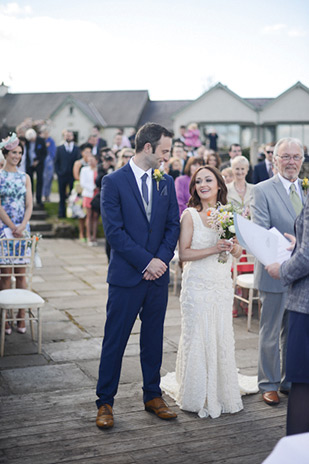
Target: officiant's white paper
(268,246)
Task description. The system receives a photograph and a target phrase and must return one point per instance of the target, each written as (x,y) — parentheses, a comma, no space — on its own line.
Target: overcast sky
(175,49)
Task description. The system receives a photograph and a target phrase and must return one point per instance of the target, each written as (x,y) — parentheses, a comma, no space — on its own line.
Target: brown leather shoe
(160,408)
(271,398)
(105,419)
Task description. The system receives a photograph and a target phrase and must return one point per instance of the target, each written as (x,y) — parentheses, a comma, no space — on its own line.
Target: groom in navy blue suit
(141,223)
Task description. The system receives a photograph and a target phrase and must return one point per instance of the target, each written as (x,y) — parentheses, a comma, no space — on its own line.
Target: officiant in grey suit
(276,203)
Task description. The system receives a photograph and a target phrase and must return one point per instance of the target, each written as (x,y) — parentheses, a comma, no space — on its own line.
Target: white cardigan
(87,181)
(234,197)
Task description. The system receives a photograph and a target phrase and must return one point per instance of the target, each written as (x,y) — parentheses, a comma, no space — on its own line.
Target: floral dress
(13,201)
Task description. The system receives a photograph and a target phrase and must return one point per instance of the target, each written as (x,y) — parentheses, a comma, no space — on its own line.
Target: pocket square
(163,192)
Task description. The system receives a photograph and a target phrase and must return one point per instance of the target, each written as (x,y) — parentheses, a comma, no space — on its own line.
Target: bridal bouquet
(221,220)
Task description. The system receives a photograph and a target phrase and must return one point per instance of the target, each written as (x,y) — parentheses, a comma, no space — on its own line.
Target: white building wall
(217,106)
(77,122)
(292,107)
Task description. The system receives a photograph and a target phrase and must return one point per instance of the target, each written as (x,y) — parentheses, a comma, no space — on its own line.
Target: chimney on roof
(3,89)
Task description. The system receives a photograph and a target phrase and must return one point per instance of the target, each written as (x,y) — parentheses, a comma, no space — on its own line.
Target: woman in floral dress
(15,209)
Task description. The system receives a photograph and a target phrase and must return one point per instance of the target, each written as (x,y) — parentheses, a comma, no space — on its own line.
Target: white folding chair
(245,281)
(19,253)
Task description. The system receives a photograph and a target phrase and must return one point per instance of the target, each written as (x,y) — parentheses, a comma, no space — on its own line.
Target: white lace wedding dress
(206,380)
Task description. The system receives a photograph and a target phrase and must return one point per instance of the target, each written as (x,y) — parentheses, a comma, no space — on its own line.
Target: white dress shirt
(138,173)
(69,146)
(269,165)
(287,184)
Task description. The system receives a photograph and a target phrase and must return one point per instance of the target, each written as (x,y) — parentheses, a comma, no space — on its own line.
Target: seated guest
(182,183)
(265,169)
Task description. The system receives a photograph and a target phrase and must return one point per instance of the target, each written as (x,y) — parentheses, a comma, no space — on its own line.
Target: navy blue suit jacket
(40,153)
(260,173)
(64,161)
(134,240)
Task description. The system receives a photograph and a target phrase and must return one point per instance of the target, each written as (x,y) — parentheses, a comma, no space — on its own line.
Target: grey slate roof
(258,103)
(116,108)
(161,111)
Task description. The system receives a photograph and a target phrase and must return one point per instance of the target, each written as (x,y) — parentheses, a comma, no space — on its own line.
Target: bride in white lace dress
(206,380)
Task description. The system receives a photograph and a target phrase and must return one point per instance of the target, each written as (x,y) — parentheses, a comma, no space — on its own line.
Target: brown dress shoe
(160,408)
(105,419)
(271,398)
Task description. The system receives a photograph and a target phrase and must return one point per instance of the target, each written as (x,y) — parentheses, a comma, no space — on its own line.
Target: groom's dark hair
(150,133)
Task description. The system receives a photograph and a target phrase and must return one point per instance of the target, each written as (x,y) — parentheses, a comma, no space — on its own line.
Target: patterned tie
(270,171)
(295,200)
(145,187)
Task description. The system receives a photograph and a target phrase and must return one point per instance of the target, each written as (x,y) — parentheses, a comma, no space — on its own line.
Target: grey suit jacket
(271,207)
(295,271)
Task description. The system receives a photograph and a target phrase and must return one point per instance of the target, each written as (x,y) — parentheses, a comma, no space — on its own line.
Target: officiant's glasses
(288,157)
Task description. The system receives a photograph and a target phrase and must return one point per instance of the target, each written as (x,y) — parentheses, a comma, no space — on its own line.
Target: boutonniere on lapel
(305,185)
(158,175)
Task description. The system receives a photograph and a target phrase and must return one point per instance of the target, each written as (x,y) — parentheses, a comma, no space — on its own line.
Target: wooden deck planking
(174,447)
(58,426)
(71,436)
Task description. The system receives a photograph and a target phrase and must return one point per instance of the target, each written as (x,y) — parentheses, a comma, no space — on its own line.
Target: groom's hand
(156,268)
(148,276)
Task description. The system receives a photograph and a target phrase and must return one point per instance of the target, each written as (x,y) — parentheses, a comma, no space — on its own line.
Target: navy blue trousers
(63,182)
(123,305)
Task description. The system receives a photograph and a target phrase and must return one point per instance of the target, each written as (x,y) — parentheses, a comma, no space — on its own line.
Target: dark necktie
(145,187)
(270,170)
(295,200)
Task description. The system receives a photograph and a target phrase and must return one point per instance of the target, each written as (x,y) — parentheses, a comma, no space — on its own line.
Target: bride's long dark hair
(195,201)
